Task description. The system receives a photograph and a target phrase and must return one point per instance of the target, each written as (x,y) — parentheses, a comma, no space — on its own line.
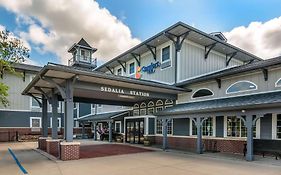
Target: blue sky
(144,18)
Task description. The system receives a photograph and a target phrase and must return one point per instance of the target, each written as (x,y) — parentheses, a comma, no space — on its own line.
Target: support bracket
(229,57)
(218,82)
(61,89)
(44,93)
(178,41)
(208,49)
(111,71)
(265,74)
(256,119)
(137,57)
(122,64)
(37,99)
(152,50)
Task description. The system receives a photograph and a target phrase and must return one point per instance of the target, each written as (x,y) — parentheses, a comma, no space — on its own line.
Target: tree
(11,51)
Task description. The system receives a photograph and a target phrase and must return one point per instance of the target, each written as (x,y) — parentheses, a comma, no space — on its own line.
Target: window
(35,122)
(34,103)
(59,122)
(143,109)
(136,112)
(150,111)
(202,93)
(278,83)
(119,71)
(278,129)
(118,126)
(166,54)
(235,127)
(207,127)
(169,102)
(241,86)
(159,127)
(159,105)
(132,68)
(85,55)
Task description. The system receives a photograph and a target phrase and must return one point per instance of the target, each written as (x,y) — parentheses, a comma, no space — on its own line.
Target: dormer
(82,55)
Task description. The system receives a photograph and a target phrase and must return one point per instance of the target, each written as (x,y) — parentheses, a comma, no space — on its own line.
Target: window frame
(241,81)
(192,96)
(130,68)
(51,121)
(118,122)
(85,51)
(30,122)
(170,56)
(279,80)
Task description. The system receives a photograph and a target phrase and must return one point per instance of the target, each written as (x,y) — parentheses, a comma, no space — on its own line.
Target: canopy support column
(55,116)
(95,130)
(250,142)
(199,122)
(44,117)
(165,134)
(69,111)
(110,131)
(83,130)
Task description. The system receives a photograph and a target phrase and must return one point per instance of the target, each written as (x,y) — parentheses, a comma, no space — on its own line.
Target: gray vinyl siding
(181,127)
(84,109)
(192,61)
(151,126)
(20,119)
(219,126)
(256,77)
(16,86)
(266,127)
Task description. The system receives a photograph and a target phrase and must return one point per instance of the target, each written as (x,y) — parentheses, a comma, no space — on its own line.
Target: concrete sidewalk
(150,163)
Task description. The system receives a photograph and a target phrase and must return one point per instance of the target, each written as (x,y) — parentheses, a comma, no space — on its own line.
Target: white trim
(30,122)
(168,44)
(277,82)
(51,122)
(16,110)
(130,74)
(274,126)
(159,104)
(225,126)
(258,130)
(241,81)
(202,96)
(120,126)
(214,125)
(146,120)
(149,104)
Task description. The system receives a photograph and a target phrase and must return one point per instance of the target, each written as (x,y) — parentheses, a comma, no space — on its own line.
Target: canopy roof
(104,116)
(180,29)
(97,87)
(233,103)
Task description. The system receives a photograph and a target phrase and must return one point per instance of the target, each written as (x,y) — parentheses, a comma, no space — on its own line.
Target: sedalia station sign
(116,90)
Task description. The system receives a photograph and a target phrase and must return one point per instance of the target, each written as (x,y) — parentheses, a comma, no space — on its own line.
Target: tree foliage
(11,51)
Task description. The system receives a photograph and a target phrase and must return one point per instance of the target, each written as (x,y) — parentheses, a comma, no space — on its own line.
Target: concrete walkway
(150,163)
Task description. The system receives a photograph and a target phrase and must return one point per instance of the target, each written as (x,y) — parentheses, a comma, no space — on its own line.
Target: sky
(49,27)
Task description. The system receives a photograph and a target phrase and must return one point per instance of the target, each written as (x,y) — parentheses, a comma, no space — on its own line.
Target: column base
(42,144)
(70,151)
(53,147)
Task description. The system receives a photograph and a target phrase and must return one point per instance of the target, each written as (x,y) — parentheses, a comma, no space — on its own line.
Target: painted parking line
(17,161)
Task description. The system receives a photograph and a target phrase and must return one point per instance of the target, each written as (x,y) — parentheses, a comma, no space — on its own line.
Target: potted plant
(146,141)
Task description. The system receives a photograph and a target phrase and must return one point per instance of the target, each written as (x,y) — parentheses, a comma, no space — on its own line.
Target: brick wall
(53,147)
(189,144)
(70,151)
(11,134)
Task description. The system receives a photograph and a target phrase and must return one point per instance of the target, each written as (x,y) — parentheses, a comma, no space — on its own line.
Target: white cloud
(63,22)
(261,39)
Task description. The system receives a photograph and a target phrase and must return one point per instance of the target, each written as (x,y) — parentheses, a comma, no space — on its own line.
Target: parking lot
(149,163)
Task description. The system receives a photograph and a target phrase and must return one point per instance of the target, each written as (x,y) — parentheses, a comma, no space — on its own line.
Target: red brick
(70,150)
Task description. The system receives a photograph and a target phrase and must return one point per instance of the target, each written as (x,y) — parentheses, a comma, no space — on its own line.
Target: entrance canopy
(104,117)
(96,87)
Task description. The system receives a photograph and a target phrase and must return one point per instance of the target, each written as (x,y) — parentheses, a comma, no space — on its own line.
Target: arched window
(150,104)
(202,93)
(241,86)
(143,105)
(143,108)
(169,102)
(159,103)
(136,106)
(278,83)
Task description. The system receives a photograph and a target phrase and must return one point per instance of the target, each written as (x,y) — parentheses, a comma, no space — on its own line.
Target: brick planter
(42,144)
(53,147)
(70,150)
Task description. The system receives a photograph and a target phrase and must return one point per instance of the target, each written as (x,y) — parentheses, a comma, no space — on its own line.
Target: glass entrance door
(135,131)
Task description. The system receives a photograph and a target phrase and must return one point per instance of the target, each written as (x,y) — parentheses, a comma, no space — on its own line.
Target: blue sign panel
(151,68)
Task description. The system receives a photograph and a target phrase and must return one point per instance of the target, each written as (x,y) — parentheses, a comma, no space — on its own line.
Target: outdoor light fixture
(243,111)
(126,96)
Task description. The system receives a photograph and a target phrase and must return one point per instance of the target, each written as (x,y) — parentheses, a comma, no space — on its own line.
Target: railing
(82,60)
